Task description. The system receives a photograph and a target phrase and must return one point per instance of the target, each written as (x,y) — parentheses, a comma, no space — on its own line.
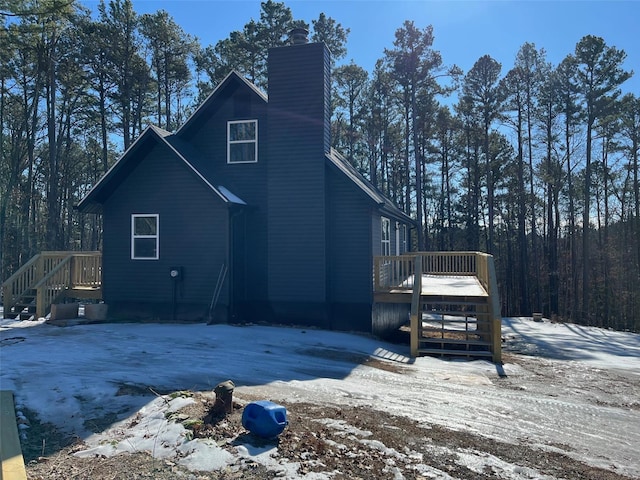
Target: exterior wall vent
(298,36)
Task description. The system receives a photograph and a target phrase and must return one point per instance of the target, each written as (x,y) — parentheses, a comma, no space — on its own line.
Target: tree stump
(224,398)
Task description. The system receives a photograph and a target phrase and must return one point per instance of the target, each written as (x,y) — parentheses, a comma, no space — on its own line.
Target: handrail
(392,273)
(86,270)
(24,267)
(42,272)
(23,280)
(18,283)
(54,283)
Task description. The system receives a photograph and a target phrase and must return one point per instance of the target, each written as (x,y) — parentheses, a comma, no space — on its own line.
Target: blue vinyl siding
(246,180)
(350,242)
(298,133)
(301,249)
(193,224)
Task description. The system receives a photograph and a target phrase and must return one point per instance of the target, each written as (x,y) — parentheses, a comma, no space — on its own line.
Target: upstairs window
(144,237)
(242,141)
(386,236)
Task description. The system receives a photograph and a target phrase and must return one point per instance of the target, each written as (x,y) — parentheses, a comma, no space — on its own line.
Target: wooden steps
(24,308)
(455,293)
(10,451)
(48,278)
(454,333)
(447,352)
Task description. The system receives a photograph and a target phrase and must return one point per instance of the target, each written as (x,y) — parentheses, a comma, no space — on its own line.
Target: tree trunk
(586,244)
(52,184)
(552,233)
(534,234)
(489,174)
(523,260)
(418,170)
(573,270)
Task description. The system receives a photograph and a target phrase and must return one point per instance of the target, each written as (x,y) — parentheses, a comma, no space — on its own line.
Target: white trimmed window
(386,236)
(242,141)
(144,237)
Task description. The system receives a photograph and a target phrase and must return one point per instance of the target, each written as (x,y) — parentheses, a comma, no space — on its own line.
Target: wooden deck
(50,277)
(455,310)
(435,286)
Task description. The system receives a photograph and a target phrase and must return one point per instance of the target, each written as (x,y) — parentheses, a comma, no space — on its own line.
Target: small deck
(435,285)
(50,277)
(453,298)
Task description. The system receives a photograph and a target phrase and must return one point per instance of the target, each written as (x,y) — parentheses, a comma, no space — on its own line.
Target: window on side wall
(386,236)
(242,141)
(144,237)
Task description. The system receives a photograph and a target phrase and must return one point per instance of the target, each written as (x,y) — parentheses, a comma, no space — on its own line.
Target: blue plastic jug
(264,418)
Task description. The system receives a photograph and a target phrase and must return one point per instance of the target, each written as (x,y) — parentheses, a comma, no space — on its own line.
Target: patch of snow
(70,377)
(344,427)
(180,402)
(481,463)
(204,455)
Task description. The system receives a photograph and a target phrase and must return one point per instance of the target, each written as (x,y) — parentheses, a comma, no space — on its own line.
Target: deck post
(495,316)
(40,303)
(376,274)
(415,306)
(7,297)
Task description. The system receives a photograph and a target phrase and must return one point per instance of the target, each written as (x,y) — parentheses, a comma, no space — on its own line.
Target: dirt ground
(361,443)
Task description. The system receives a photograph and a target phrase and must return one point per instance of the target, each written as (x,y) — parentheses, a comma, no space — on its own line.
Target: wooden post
(40,303)
(416,316)
(495,316)
(11,459)
(7,298)
(39,268)
(376,274)
(74,264)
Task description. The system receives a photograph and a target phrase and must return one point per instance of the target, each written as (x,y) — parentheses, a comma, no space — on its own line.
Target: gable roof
(101,191)
(92,202)
(335,159)
(233,78)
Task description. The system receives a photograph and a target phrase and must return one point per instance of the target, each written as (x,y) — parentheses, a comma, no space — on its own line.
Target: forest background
(535,163)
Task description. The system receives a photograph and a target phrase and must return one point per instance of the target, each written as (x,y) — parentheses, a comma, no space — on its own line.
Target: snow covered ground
(564,388)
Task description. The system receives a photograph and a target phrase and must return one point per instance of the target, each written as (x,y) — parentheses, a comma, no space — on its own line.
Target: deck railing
(52,286)
(86,270)
(49,273)
(28,275)
(392,273)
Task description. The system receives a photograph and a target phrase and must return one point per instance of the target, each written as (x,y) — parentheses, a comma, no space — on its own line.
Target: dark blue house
(246,213)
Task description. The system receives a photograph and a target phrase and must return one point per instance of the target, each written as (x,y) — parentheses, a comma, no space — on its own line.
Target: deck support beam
(416,314)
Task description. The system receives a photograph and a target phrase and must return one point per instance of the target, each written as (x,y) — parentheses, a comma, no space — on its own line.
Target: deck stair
(24,307)
(49,277)
(454,328)
(455,309)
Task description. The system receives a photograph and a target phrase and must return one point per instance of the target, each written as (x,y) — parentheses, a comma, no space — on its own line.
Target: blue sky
(464,30)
